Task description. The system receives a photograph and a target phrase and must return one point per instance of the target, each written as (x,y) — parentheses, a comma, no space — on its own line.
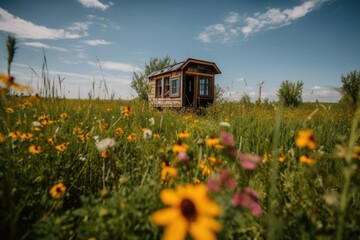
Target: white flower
(147,134)
(152,121)
(225,124)
(105,144)
(36,124)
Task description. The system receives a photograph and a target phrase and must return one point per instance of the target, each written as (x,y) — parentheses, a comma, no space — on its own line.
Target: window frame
(206,89)
(167,87)
(172,80)
(158,88)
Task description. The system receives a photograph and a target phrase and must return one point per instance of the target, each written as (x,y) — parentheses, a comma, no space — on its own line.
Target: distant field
(97,169)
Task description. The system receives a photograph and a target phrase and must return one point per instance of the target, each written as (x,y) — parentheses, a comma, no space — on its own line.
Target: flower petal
(169,197)
(177,230)
(165,216)
(200,231)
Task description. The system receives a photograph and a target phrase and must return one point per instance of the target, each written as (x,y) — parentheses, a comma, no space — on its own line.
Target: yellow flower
(306,138)
(2,138)
(102,127)
(282,158)
(64,115)
(119,131)
(266,157)
(26,135)
(15,134)
(76,130)
(109,109)
(213,160)
(9,110)
(9,82)
(61,147)
(206,169)
(307,160)
(183,134)
(190,211)
(51,140)
(131,137)
(126,111)
(84,137)
(156,136)
(356,152)
(58,190)
(167,172)
(180,147)
(46,121)
(105,154)
(33,149)
(212,142)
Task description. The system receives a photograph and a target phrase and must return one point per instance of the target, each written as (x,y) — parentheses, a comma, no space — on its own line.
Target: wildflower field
(101,169)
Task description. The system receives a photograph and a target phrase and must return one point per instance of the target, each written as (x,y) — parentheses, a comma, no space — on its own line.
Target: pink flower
(182,157)
(213,185)
(249,161)
(227,139)
(248,199)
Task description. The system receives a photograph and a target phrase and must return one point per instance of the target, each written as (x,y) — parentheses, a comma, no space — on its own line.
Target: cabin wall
(166,101)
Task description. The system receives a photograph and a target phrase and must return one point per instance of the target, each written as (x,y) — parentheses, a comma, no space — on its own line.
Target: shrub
(290,93)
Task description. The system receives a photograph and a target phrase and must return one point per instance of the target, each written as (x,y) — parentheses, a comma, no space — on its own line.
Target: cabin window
(167,87)
(175,87)
(158,88)
(204,86)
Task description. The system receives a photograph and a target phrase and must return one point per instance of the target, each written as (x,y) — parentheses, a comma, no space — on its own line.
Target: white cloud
(28,30)
(116,66)
(273,18)
(95,4)
(42,45)
(323,94)
(80,26)
(96,42)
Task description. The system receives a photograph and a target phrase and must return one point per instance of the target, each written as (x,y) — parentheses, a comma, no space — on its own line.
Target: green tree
(350,87)
(140,82)
(291,93)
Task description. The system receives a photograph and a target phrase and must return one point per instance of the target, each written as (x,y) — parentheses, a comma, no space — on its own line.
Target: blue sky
(315,41)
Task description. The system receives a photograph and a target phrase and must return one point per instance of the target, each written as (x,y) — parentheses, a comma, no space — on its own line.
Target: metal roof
(180,65)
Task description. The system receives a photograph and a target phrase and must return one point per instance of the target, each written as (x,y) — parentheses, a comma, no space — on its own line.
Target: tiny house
(185,84)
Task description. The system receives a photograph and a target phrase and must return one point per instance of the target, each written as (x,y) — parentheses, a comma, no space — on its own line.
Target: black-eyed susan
(119,131)
(2,138)
(131,137)
(282,158)
(180,147)
(356,152)
(307,160)
(156,136)
(26,136)
(58,191)
(105,154)
(85,137)
(51,140)
(212,142)
(9,110)
(126,111)
(64,115)
(168,173)
(205,168)
(190,211)
(306,138)
(214,160)
(47,121)
(183,134)
(61,147)
(9,82)
(34,149)
(76,130)
(14,134)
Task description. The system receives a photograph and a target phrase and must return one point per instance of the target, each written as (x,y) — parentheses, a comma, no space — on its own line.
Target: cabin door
(189,91)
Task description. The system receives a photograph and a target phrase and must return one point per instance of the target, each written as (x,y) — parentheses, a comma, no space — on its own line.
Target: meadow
(114,169)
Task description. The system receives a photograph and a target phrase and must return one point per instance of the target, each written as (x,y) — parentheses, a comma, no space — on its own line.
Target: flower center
(188,209)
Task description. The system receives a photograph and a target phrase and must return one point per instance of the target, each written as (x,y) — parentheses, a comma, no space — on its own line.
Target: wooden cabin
(185,84)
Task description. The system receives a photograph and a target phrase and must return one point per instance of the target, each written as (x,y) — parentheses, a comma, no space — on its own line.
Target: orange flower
(212,142)
(9,82)
(126,111)
(51,140)
(58,190)
(307,160)
(180,147)
(183,134)
(306,138)
(61,147)
(26,135)
(2,138)
(9,110)
(119,131)
(15,134)
(33,149)
(131,137)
